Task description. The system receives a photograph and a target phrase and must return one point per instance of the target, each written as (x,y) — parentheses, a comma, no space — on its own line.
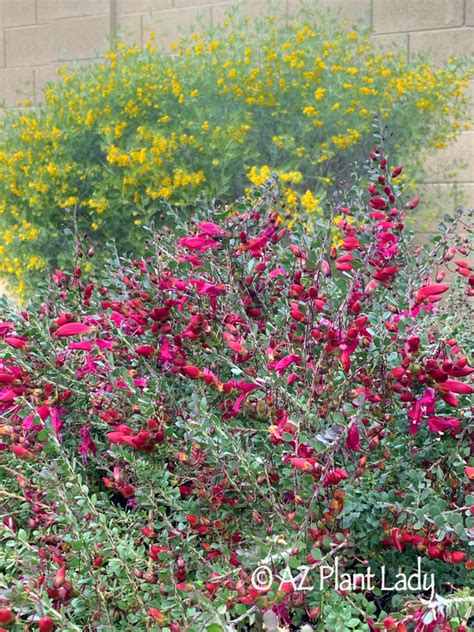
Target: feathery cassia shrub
(119,142)
(244,395)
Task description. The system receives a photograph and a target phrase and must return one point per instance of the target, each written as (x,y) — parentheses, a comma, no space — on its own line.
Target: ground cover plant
(246,395)
(120,141)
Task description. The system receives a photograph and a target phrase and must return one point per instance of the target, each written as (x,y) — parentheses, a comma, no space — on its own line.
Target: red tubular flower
(87,444)
(159,314)
(192,519)
(325,268)
(455,386)
(378,203)
(145,350)
(209,228)
(157,615)
(46,624)
(7,378)
(397,540)
(16,342)
(344,263)
(281,365)
(450,399)
(191,371)
(296,313)
(389,623)
(5,326)
(143,441)
(148,532)
(360,322)
(334,477)
(397,171)
(165,351)
(430,290)
(60,577)
(384,275)
(22,453)
(345,360)
(71,329)
(6,616)
(304,465)
(353,437)
(201,243)
(457,557)
(434,552)
(234,343)
(155,550)
(413,203)
(127,491)
(378,215)
(444,424)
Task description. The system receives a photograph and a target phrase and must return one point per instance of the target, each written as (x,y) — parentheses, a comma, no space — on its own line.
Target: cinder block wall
(37,36)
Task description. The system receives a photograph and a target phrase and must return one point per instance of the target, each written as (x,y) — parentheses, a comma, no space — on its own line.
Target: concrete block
(181,4)
(455,163)
(392,41)
(406,15)
(169,26)
(16,85)
(2,49)
(441,45)
(17,13)
(43,75)
(129,29)
(349,11)
(124,7)
(470,12)
(60,9)
(28,46)
(79,38)
(251,8)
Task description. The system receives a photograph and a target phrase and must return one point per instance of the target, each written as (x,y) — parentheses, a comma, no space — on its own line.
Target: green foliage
(120,141)
(246,395)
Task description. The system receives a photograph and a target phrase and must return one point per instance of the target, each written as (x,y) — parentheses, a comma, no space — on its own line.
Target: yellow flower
(290,176)
(115,157)
(319,93)
(291,198)
(35,263)
(70,201)
(259,176)
(423,104)
(310,202)
(310,111)
(52,169)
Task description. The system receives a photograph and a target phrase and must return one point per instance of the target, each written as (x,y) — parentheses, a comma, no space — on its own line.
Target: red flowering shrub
(202,439)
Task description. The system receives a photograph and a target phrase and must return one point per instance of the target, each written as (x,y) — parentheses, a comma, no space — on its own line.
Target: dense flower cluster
(122,140)
(246,394)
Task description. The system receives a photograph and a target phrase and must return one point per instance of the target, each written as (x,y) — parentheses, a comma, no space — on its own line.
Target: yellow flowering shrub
(119,143)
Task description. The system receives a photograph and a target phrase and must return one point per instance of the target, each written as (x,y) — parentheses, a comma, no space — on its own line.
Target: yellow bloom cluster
(120,141)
